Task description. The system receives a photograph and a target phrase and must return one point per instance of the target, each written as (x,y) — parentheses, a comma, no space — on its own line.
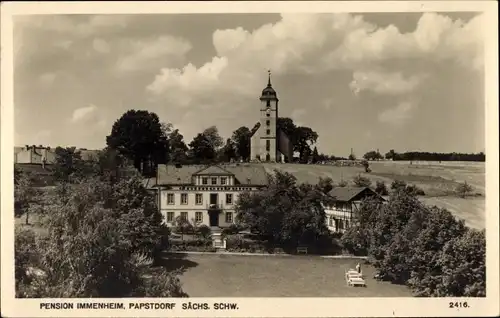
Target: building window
(184,198)
(184,216)
(268,122)
(339,224)
(229,198)
(229,217)
(170,217)
(268,103)
(204,180)
(223,180)
(170,198)
(199,198)
(331,221)
(268,114)
(268,145)
(214,181)
(268,131)
(198,217)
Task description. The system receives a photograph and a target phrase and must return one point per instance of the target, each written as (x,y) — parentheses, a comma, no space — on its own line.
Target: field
(276,276)
(438,180)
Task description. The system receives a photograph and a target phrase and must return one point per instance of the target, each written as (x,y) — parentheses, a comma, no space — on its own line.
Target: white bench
(301,250)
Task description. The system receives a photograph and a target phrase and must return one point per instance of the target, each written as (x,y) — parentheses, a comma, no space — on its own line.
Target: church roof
(245,174)
(268,92)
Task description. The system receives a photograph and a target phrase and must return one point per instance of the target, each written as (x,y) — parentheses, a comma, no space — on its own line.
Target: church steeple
(269,93)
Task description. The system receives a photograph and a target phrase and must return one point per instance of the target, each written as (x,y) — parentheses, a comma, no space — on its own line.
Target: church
(268,143)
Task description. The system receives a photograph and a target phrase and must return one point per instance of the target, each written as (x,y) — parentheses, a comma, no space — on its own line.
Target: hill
(437,180)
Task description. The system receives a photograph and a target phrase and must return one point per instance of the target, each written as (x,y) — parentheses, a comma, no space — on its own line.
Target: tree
(285,213)
(390,155)
(24,195)
(381,188)
(463,264)
(315,155)
(325,185)
(202,149)
(372,155)
(140,137)
(213,137)
(178,149)
(360,181)
(464,189)
(301,137)
(98,233)
(241,139)
(229,151)
(68,164)
(352,157)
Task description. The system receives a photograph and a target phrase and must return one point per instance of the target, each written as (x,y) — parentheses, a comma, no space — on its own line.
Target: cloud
(320,43)
(140,54)
(393,83)
(82,113)
(397,115)
(100,45)
(47,78)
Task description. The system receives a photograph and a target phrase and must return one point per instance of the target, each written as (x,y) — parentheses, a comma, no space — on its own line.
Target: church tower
(268,118)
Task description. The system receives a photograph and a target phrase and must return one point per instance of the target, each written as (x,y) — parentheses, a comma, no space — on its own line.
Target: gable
(213,170)
(254,129)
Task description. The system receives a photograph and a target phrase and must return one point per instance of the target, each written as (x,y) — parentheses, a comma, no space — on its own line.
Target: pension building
(205,194)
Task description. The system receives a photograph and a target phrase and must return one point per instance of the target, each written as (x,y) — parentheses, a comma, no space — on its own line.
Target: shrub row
(425,248)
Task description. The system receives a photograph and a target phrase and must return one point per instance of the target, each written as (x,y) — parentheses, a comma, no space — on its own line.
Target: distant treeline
(435,156)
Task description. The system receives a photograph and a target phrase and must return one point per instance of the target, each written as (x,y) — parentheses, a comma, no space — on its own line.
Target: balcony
(214,206)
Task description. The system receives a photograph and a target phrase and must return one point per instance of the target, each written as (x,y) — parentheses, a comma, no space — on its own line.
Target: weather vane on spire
(269,80)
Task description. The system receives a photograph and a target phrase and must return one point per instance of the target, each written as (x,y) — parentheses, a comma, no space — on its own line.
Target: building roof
(245,174)
(268,93)
(346,194)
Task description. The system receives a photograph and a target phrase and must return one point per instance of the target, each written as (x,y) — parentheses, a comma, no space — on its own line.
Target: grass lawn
(275,276)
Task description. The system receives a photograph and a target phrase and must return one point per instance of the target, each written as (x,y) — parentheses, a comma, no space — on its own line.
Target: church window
(268,145)
(268,115)
(268,103)
(268,157)
(268,122)
(268,131)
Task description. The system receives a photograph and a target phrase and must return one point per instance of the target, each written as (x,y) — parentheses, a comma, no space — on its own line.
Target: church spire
(269,78)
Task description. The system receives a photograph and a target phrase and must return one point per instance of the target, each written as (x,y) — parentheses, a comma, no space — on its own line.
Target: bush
(464,189)
(232,229)
(425,248)
(381,188)
(238,243)
(199,245)
(204,231)
(360,181)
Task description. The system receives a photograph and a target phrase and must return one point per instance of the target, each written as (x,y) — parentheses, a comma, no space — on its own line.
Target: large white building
(268,143)
(205,194)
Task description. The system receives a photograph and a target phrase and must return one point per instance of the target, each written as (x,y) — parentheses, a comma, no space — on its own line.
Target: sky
(403,81)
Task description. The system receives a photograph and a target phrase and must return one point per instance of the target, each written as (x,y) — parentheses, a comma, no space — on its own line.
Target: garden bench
(301,250)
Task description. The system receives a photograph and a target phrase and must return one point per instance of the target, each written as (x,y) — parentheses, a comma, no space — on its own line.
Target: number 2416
(458,304)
